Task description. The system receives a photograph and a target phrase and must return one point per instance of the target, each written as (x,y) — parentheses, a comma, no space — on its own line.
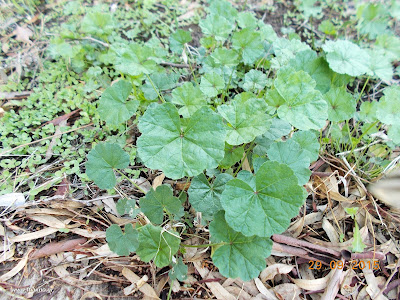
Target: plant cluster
(251,116)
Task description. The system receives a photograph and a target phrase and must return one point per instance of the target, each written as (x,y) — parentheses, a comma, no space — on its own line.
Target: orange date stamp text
(338,264)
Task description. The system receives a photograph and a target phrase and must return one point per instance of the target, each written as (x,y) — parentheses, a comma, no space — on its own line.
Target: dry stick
(389,280)
(46,138)
(14,95)
(295,242)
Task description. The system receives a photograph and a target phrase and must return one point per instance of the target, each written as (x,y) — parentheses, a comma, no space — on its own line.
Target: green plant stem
(170,291)
(227,87)
(154,87)
(243,159)
(131,181)
(363,88)
(203,245)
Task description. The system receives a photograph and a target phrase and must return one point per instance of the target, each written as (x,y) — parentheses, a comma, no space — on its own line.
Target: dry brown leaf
(270,272)
(330,231)
(6,255)
(90,295)
(135,279)
(288,291)
(33,235)
(87,234)
(50,221)
(238,292)
(387,190)
(57,247)
(264,291)
(23,34)
(246,164)
(346,289)
(216,288)
(308,219)
(373,284)
(14,271)
(313,285)
(158,181)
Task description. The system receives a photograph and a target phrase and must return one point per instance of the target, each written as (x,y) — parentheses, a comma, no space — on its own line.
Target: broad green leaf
(178,39)
(308,141)
(380,65)
(127,206)
(285,50)
(262,204)
(274,100)
(134,59)
(246,119)
(122,243)
(98,24)
(205,196)
(390,44)
(344,57)
(278,129)
(291,154)
(318,69)
(216,26)
(249,43)
(232,156)
(342,105)
(367,111)
(225,57)
(327,27)
(211,84)
(303,105)
(309,8)
(102,159)
(179,271)
(155,202)
(159,83)
(178,150)
(267,32)
(254,80)
(224,9)
(239,256)
(389,106)
(113,105)
(394,133)
(247,20)
(157,244)
(189,97)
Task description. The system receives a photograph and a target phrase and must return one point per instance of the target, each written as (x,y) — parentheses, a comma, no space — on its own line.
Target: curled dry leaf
(263,290)
(14,271)
(53,248)
(287,291)
(158,180)
(387,190)
(271,271)
(313,285)
(23,34)
(144,287)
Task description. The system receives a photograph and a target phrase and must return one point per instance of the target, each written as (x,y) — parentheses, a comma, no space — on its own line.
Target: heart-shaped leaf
(189,97)
(389,106)
(127,206)
(178,150)
(120,242)
(262,204)
(157,244)
(113,105)
(157,201)
(239,256)
(102,159)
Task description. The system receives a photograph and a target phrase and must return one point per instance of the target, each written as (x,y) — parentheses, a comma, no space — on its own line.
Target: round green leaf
(127,206)
(232,156)
(344,57)
(157,244)
(211,84)
(178,150)
(291,154)
(102,159)
(178,39)
(122,243)
(308,141)
(389,106)
(205,196)
(239,256)
(189,97)
(249,43)
(246,119)
(262,204)
(157,201)
(113,105)
(342,105)
(179,271)
(303,106)
(394,134)
(217,26)
(254,80)
(380,64)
